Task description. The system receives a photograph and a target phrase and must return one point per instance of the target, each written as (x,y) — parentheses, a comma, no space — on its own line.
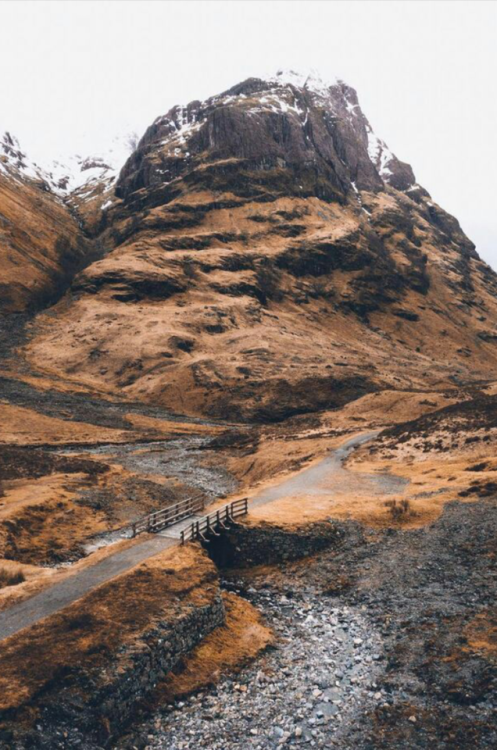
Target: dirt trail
(55,598)
(330,476)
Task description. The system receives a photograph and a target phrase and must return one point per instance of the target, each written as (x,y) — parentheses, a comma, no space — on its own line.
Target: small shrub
(238,263)
(476,467)
(268,280)
(81,621)
(11,577)
(399,510)
(317,288)
(189,267)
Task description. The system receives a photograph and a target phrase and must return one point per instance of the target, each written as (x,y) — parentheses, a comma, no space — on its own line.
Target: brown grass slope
(41,245)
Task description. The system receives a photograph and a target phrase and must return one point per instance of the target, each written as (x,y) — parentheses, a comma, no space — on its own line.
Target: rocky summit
(248,410)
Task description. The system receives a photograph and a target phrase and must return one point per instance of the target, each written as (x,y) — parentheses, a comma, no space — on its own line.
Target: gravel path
(329,475)
(57,597)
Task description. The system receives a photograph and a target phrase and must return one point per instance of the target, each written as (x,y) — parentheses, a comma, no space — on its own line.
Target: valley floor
(385,640)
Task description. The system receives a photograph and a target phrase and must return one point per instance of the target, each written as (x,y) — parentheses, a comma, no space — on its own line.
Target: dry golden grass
(39,226)
(141,359)
(227,649)
(21,426)
(40,519)
(164,428)
(9,577)
(432,481)
(481,633)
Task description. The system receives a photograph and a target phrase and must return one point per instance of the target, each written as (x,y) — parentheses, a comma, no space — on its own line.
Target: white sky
(76,73)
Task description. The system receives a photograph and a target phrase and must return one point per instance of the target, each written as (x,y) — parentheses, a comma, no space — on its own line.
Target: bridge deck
(174,531)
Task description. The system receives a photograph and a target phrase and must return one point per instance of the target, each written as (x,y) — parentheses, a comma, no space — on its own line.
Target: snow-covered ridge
(67,174)
(182,121)
(81,173)
(287,93)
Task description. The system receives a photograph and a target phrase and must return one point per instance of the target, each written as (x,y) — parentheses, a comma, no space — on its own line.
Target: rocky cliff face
(286,136)
(268,255)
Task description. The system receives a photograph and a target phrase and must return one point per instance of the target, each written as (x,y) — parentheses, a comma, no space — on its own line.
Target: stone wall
(91,708)
(136,673)
(244,545)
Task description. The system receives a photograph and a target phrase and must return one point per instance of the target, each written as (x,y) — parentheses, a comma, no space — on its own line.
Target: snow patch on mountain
(67,174)
(81,174)
(380,155)
(14,162)
(311,81)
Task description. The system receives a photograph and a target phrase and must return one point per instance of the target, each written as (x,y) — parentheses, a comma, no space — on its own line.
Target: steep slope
(48,215)
(271,257)
(41,243)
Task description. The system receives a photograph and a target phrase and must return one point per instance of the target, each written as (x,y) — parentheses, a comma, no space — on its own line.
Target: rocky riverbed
(388,641)
(322,671)
(181,458)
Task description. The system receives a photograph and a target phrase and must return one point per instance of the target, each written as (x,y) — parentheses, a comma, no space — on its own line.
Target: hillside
(41,245)
(49,216)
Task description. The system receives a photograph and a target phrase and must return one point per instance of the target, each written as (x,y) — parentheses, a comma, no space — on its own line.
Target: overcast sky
(76,73)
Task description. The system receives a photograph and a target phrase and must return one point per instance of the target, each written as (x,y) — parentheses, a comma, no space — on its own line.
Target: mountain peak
(310,80)
(294,134)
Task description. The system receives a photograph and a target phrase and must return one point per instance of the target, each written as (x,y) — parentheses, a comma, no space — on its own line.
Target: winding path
(315,479)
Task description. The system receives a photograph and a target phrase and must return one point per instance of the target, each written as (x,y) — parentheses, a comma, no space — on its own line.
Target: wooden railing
(214,522)
(161,519)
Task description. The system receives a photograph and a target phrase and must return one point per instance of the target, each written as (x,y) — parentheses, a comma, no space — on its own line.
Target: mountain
(265,254)
(263,258)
